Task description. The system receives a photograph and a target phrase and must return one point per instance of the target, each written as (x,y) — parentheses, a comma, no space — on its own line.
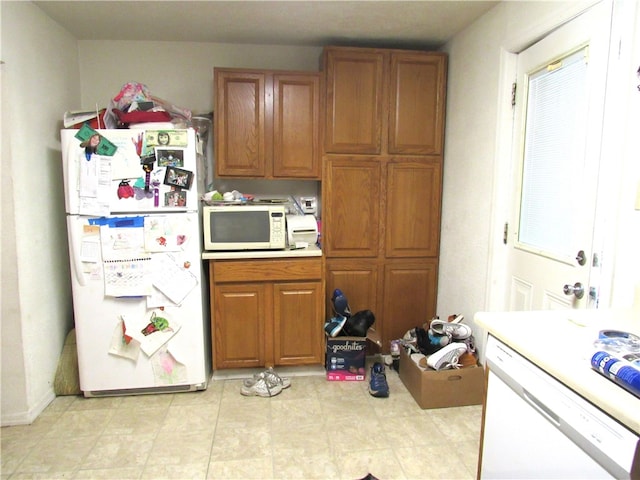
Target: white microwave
(244,227)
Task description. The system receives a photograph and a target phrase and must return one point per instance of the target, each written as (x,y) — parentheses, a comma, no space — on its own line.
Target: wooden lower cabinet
(238,325)
(410,288)
(298,323)
(267,312)
(400,292)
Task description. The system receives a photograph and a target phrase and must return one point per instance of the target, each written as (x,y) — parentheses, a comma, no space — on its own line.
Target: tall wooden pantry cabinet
(382,181)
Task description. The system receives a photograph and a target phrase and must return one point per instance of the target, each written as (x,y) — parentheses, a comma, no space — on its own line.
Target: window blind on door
(555,129)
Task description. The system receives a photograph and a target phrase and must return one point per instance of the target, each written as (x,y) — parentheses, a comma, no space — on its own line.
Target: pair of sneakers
(264,384)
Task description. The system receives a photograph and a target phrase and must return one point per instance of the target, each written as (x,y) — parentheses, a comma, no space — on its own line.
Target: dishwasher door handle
(541,407)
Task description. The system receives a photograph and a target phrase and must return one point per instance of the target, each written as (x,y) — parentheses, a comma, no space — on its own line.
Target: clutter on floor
(347,334)
(442,344)
(438,364)
(265,384)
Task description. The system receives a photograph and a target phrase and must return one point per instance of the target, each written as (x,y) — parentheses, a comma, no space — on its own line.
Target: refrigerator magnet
(175,198)
(169,157)
(178,177)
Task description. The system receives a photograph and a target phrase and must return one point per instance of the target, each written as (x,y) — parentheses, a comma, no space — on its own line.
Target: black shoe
(359,323)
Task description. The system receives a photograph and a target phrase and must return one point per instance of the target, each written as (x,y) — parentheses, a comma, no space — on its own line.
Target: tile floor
(313,430)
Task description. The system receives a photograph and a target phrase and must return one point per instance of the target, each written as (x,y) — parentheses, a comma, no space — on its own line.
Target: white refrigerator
(135,243)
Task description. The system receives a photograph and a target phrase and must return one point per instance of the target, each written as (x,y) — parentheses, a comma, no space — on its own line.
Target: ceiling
(396,23)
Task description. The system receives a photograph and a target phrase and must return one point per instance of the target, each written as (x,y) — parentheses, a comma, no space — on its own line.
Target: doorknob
(577,290)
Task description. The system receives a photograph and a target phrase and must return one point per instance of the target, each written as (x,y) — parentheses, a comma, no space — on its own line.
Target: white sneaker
(458,331)
(447,357)
(261,388)
(271,377)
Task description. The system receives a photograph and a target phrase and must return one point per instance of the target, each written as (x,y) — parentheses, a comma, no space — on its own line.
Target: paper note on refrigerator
(166,233)
(152,331)
(122,344)
(122,238)
(90,244)
(166,369)
(94,185)
(127,278)
(172,279)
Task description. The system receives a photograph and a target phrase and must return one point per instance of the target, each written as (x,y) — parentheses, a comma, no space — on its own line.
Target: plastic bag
(134,103)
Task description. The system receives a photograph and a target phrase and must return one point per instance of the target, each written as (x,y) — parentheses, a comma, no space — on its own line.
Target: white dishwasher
(536,427)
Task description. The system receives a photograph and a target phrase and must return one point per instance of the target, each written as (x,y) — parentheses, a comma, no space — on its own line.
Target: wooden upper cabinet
(267,123)
(296,125)
(354,100)
(383,101)
(351,197)
(240,130)
(417,103)
(413,205)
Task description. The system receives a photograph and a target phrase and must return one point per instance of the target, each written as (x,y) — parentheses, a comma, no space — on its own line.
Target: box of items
(345,358)
(443,388)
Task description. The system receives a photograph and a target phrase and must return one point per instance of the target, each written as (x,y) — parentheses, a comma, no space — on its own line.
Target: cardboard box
(345,358)
(444,388)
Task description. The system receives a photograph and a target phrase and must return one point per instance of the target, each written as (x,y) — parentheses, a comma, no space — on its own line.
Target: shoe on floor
(447,357)
(260,388)
(275,379)
(378,386)
(271,377)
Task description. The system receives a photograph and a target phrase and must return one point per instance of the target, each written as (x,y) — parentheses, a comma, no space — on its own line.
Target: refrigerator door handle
(70,173)
(74,249)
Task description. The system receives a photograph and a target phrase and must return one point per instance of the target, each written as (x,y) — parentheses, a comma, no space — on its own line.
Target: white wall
(179,72)
(477,163)
(40,78)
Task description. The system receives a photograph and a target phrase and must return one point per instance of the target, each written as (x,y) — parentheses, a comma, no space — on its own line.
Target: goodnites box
(345,358)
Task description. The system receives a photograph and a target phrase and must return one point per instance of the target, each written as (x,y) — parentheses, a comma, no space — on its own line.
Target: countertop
(561,343)
(310,251)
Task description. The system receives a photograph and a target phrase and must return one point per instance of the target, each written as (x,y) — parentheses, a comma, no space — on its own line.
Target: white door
(557,135)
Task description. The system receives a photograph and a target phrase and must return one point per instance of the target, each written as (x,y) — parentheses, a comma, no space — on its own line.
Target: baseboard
(27,417)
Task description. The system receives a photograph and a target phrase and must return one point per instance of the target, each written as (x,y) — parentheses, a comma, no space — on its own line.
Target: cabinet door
(358,280)
(354,100)
(417,103)
(240,130)
(239,325)
(409,296)
(351,208)
(296,117)
(413,201)
(298,323)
